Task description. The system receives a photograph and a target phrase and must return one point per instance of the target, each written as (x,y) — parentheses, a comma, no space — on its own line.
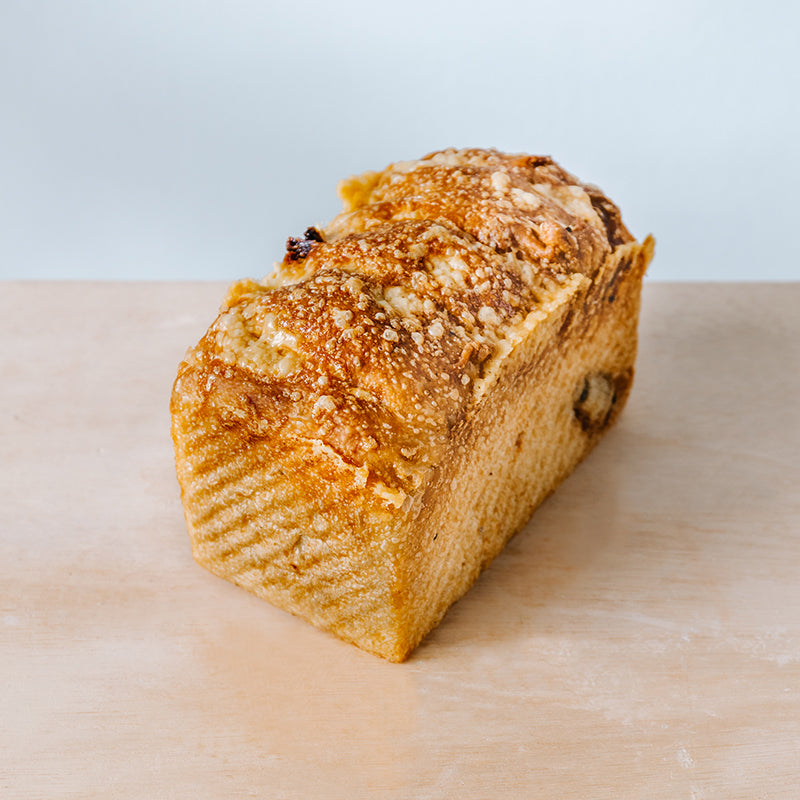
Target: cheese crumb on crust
(374,335)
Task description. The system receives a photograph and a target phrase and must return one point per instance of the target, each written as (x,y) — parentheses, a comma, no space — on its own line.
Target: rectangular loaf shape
(359,434)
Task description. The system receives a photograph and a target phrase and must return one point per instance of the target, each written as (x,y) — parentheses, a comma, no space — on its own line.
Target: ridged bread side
(285,520)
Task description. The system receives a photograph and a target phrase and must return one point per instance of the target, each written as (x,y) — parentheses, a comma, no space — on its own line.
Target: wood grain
(641,639)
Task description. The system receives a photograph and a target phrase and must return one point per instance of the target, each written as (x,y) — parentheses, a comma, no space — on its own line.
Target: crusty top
(373,337)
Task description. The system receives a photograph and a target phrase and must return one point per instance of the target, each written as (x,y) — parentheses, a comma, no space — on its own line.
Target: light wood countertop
(640,639)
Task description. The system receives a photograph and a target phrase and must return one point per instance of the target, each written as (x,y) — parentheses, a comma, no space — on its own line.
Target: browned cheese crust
(359,434)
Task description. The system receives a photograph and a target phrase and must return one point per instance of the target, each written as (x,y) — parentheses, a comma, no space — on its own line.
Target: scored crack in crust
(347,412)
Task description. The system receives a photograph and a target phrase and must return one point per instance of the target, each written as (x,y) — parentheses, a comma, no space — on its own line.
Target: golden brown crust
(512,203)
(372,335)
(370,351)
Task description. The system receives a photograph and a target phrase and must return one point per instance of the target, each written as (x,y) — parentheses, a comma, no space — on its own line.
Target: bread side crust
(530,431)
(288,520)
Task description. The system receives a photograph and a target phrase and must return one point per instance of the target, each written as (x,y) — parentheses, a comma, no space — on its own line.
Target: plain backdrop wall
(183,139)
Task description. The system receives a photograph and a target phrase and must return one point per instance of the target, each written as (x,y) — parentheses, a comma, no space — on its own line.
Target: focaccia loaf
(358,435)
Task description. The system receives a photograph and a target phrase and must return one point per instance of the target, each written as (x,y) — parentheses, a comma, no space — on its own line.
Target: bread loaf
(359,434)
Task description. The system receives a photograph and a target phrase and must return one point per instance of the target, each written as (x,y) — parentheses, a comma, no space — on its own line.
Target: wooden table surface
(640,639)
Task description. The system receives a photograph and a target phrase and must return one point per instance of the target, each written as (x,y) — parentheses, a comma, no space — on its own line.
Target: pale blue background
(187,140)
